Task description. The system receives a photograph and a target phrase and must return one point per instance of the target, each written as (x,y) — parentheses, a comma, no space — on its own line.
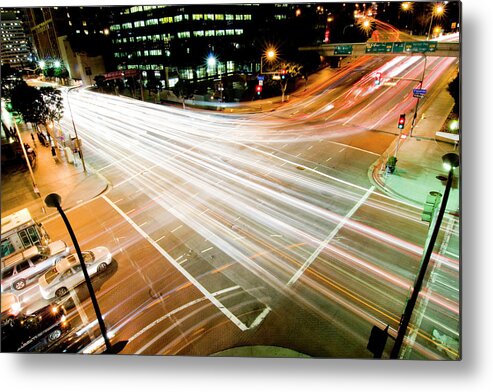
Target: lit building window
(247,17)
(178,18)
(166,19)
(209,33)
(238,31)
(230,32)
(126,26)
(280,17)
(230,17)
(115,27)
(135,9)
(219,17)
(220,32)
(184,34)
(197,17)
(199,33)
(139,23)
(209,16)
(151,22)
(86,32)
(84,23)
(238,17)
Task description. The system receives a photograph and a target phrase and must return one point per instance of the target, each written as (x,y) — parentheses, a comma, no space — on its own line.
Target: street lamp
(54,200)
(438,10)
(270,54)
(79,147)
(450,162)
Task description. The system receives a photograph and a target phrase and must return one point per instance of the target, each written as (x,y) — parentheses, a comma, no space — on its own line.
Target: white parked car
(24,267)
(68,274)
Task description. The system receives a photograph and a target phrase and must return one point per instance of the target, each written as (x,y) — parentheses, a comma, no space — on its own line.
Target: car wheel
(102,267)
(20,284)
(61,292)
(54,335)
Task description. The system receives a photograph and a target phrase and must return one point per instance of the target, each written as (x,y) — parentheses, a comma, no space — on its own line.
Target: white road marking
(132,210)
(324,243)
(207,250)
(160,238)
(182,270)
(342,149)
(173,312)
(176,228)
(327,160)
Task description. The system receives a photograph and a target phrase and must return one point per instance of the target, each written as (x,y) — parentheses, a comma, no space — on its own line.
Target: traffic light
(283,74)
(258,89)
(402,121)
(378,78)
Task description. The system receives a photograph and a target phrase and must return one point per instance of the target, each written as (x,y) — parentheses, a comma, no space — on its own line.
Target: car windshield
(51,275)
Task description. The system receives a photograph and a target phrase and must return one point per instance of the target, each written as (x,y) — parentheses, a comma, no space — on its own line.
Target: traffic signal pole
(413,123)
(425,260)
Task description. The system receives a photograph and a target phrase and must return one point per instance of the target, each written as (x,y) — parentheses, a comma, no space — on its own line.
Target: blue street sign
(260,77)
(419,91)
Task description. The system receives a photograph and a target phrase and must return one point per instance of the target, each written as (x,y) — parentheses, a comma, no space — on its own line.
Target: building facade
(179,41)
(15,48)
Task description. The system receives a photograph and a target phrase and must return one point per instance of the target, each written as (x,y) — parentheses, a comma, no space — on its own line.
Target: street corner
(89,188)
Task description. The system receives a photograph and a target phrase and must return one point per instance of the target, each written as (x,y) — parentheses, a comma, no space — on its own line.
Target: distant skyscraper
(14,41)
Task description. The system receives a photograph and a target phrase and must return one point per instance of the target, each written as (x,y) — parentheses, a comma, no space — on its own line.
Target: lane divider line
(333,233)
(182,270)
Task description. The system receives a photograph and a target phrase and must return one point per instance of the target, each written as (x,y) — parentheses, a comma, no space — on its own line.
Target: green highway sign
(421,46)
(343,49)
(398,47)
(379,47)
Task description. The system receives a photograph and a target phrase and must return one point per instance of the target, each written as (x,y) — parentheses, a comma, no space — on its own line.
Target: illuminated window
(184,34)
(84,23)
(219,17)
(238,31)
(239,17)
(135,9)
(139,23)
(156,52)
(219,32)
(126,26)
(209,33)
(197,17)
(178,18)
(86,32)
(151,22)
(149,7)
(166,19)
(230,17)
(199,33)
(115,27)
(280,17)
(209,16)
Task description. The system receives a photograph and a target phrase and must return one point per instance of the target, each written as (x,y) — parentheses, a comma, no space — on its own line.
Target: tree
(288,70)
(454,90)
(183,89)
(29,102)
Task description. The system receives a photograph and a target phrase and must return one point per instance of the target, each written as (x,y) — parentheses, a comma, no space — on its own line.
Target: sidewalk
(66,179)
(419,159)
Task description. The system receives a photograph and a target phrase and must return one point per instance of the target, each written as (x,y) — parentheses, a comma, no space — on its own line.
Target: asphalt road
(231,230)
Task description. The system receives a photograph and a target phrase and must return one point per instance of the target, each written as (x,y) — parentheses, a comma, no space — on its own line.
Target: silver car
(24,267)
(68,274)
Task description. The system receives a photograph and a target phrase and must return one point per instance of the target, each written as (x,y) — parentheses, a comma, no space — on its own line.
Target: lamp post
(438,10)
(79,147)
(54,200)
(450,162)
(270,54)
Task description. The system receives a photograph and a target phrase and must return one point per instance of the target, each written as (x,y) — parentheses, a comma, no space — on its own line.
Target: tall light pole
(270,54)
(79,147)
(438,10)
(54,200)
(450,162)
